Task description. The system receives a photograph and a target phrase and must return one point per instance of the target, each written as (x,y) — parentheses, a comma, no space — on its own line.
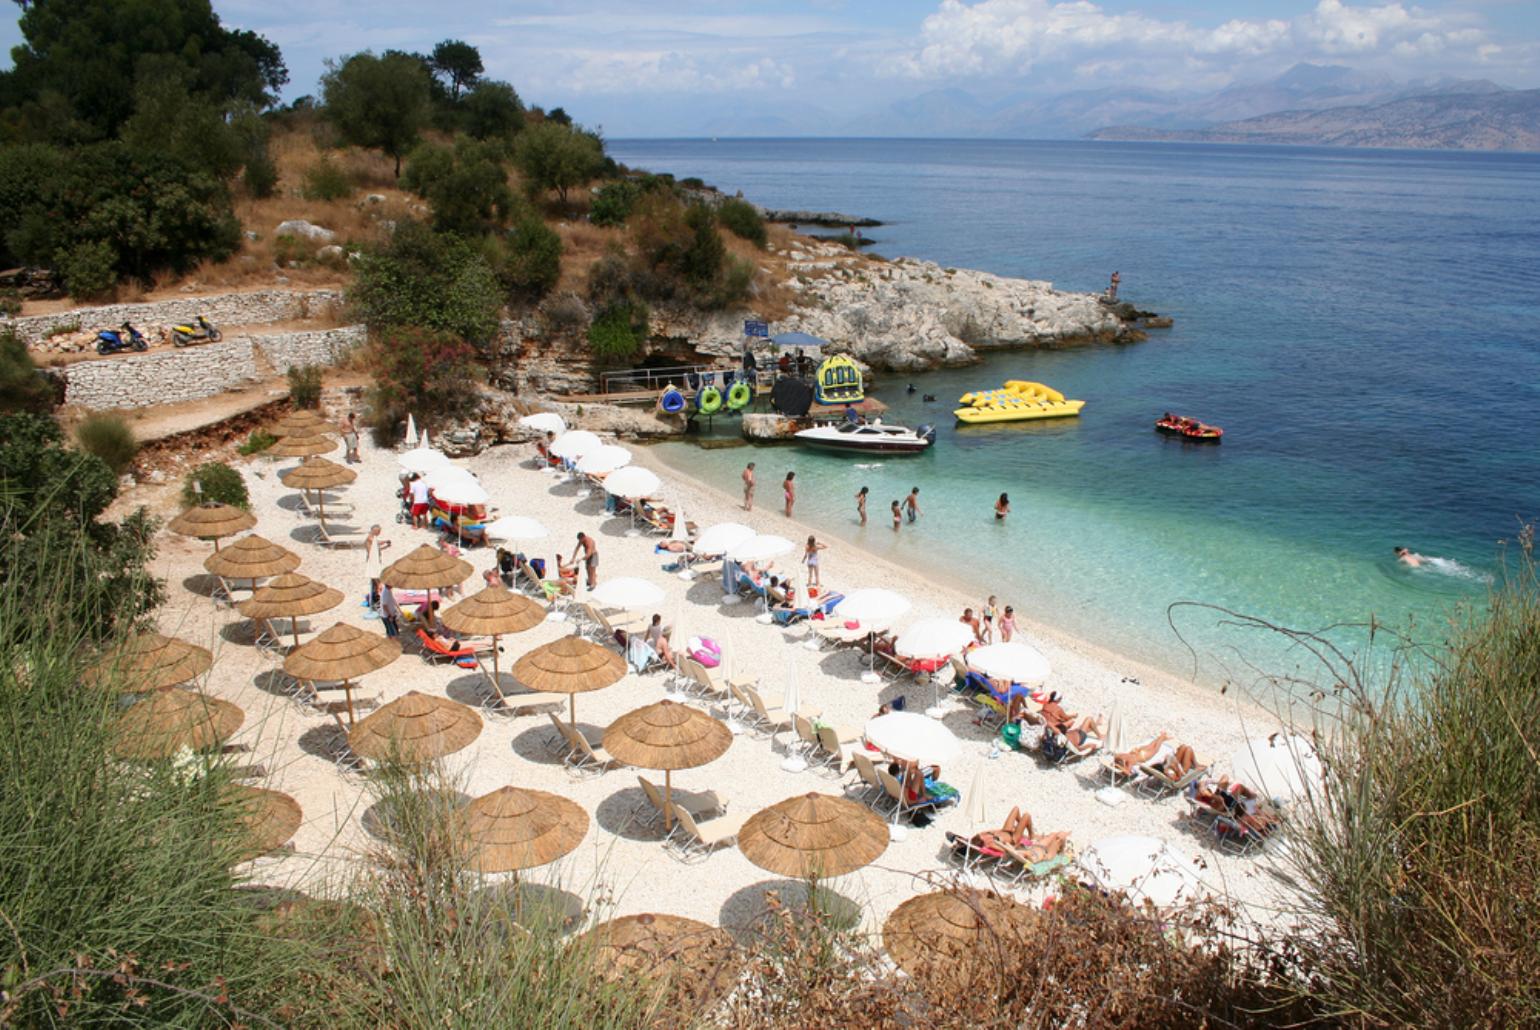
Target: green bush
(89,269)
(260,176)
(531,263)
(215,481)
(612,204)
(10,302)
(326,180)
(741,219)
(427,280)
(466,186)
(305,385)
(619,330)
(22,386)
(290,251)
(109,438)
(259,441)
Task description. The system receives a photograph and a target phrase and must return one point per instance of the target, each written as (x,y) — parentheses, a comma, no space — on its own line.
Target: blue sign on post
(761,329)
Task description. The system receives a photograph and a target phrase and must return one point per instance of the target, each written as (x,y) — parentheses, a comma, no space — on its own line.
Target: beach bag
(706,651)
(1053,747)
(1010,735)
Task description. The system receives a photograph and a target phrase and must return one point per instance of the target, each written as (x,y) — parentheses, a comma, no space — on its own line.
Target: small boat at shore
(1188,428)
(868,436)
(1016,401)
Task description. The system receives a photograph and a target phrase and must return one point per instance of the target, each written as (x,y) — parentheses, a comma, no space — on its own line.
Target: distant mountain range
(1509,120)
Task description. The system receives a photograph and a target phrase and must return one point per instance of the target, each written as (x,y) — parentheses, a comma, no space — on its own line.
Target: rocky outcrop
(497,421)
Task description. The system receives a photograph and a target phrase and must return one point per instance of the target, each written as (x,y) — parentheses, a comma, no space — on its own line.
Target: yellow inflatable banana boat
(1016,401)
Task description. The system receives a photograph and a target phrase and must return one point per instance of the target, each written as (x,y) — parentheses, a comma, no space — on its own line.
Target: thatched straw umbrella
(318,474)
(163,723)
(268,818)
(936,932)
(288,597)
(512,829)
(813,835)
(699,959)
(341,655)
(212,520)
(301,422)
(415,728)
(493,612)
(149,661)
(251,558)
(303,445)
(570,665)
(426,568)
(667,736)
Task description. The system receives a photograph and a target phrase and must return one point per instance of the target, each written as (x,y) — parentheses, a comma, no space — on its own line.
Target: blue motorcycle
(111,341)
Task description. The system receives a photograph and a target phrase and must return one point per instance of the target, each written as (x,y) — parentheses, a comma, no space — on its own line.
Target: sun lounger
(872,790)
(434,653)
(773,717)
(338,536)
(694,841)
(1156,783)
(1057,748)
(837,634)
(832,742)
(699,803)
(582,754)
(1016,866)
(787,616)
(971,856)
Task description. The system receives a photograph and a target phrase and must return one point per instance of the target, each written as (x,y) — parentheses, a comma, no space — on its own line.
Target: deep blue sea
(1365,325)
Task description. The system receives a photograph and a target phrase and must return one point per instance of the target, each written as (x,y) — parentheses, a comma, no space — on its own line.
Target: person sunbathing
(1024,709)
(1054,715)
(1018,827)
(657,639)
(1155,753)
(1086,733)
(1181,762)
(1236,800)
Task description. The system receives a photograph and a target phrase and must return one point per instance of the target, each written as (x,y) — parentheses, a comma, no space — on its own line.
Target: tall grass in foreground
(116,900)
(1420,866)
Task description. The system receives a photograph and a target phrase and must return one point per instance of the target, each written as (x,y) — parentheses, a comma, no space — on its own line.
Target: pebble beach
(622,867)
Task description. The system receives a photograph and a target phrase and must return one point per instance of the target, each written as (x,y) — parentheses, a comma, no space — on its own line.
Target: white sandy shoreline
(618,859)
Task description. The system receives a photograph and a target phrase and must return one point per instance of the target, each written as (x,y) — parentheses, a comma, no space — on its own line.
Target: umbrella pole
(668,800)
(572,717)
(347,693)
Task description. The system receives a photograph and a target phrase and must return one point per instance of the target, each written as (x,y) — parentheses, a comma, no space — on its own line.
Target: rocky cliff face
(903,315)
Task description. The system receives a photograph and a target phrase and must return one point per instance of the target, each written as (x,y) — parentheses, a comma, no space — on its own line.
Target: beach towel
(639,653)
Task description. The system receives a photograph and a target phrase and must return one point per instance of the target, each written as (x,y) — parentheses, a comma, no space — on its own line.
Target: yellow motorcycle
(203,332)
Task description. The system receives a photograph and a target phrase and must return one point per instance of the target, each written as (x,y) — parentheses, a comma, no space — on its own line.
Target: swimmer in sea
(1409,558)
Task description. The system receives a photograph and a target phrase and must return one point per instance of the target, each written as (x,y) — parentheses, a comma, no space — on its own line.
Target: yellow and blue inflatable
(1016,401)
(839,381)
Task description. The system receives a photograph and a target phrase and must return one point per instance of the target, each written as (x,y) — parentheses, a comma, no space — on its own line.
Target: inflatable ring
(671,400)
(739,396)
(709,401)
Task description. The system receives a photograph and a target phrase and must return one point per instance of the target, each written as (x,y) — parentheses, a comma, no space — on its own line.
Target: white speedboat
(868,436)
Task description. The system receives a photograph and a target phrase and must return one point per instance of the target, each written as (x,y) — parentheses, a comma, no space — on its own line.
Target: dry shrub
(583,244)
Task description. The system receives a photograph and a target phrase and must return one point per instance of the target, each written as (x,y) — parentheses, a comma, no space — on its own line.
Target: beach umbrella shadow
(743,913)
(542,904)
(377,818)
(538,743)
(624,813)
(202,584)
(321,740)
(707,589)
(962,722)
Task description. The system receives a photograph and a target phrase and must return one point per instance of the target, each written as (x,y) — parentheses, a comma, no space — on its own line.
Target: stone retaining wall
(191,373)
(255,308)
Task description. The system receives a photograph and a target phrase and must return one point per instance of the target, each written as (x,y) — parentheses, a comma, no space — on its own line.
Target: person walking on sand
(350,439)
(912,505)
(374,550)
(748,487)
(419,501)
(1007,625)
(1002,508)
(590,552)
(898,517)
(991,611)
(790,489)
(810,559)
(861,503)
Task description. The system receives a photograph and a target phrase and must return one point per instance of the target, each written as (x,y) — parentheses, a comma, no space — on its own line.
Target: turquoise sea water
(1365,325)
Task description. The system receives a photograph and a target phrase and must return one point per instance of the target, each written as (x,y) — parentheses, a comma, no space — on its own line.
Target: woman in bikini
(861,503)
(1002,508)
(810,559)
(789,487)
(1007,625)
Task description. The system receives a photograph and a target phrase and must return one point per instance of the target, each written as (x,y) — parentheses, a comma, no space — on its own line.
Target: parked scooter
(182,335)
(126,337)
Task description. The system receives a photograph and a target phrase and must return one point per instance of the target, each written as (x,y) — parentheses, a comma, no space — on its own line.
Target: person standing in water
(898,517)
(748,487)
(861,503)
(912,504)
(810,559)
(1002,508)
(790,489)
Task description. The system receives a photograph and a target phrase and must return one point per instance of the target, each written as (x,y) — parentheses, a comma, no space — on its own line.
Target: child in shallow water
(898,516)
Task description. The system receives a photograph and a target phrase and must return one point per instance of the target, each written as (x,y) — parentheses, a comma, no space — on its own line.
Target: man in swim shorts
(912,504)
(590,552)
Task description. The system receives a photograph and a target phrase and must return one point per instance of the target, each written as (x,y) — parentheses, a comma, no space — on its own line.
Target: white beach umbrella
(515,528)
(760,548)
(1115,742)
(423,440)
(722,537)
(574,444)
(874,607)
(411,430)
(627,592)
(544,422)
(445,475)
(975,799)
(632,481)
(1281,766)
(1145,868)
(1013,662)
(603,459)
(681,531)
(932,638)
(790,702)
(422,460)
(460,491)
(910,736)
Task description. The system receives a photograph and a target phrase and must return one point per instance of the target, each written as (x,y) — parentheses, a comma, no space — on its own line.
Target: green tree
(379,102)
(459,63)
(612,204)
(185,125)
(73,78)
(467,185)
(419,371)
(557,157)
(427,280)
(531,263)
(491,109)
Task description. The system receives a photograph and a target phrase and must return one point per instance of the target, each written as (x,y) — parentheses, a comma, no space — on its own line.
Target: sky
(655,67)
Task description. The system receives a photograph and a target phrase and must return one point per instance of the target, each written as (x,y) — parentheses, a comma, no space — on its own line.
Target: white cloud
(1013,37)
